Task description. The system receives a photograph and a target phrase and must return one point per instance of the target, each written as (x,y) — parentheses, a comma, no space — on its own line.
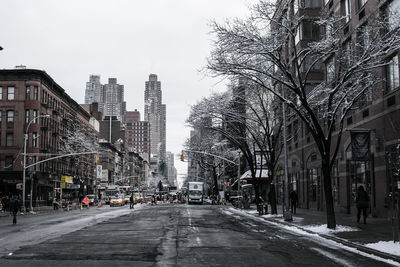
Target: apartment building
(377,112)
(32,102)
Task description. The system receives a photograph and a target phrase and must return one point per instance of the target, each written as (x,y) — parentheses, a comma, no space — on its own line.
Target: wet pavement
(184,235)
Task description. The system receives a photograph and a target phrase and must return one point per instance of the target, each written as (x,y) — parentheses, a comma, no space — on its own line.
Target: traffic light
(182,157)
(96,158)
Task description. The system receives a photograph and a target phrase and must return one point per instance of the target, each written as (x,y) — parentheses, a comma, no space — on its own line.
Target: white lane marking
(333,257)
(195,229)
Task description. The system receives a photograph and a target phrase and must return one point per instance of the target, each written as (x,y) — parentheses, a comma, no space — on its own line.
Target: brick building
(26,95)
(377,112)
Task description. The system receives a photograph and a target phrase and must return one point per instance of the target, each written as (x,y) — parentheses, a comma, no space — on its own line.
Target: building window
(309,30)
(10,93)
(8,163)
(392,74)
(330,70)
(9,139)
(361,3)
(10,115)
(28,93)
(311,3)
(297,36)
(310,62)
(27,116)
(34,139)
(35,114)
(35,93)
(346,11)
(363,39)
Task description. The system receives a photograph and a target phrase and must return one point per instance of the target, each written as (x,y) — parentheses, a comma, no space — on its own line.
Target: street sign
(99,170)
(86,200)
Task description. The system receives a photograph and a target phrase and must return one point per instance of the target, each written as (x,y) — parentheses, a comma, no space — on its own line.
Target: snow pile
(323,229)
(389,247)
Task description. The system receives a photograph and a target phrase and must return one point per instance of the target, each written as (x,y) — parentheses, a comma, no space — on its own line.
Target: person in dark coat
(131,204)
(14,208)
(362,201)
(293,201)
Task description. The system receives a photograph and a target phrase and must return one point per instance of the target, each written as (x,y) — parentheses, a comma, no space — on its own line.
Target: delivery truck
(195,192)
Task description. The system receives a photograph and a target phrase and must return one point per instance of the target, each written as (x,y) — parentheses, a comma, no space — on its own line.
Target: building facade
(155,114)
(93,90)
(32,102)
(109,96)
(376,114)
(112,100)
(138,139)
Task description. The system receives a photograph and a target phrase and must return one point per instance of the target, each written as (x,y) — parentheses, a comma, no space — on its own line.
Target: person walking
(14,208)
(55,203)
(293,201)
(131,206)
(362,201)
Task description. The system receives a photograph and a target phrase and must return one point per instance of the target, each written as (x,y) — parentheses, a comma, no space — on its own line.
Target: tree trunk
(272,199)
(215,191)
(330,211)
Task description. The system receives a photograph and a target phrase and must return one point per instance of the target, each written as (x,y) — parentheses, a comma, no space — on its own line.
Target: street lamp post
(24,167)
(238,193)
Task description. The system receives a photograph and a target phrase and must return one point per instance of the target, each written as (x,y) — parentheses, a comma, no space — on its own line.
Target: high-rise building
(155,114)
(109,96)
(93,89)
(112,100)
(137,132)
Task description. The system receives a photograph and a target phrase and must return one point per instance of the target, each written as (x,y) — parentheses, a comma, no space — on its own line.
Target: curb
(344,242)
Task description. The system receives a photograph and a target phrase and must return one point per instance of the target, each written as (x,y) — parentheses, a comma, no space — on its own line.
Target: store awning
(260,174)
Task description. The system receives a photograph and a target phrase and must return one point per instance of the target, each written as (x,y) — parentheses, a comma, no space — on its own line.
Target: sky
(123,39)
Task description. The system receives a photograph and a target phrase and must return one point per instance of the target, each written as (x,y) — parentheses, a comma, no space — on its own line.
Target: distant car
(92,198)
(117,201)
(127,199)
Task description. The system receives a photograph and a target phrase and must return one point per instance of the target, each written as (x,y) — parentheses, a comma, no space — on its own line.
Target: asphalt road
(181,235)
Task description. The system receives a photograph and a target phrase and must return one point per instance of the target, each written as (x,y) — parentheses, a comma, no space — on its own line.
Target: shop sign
(104,175)
(67,179)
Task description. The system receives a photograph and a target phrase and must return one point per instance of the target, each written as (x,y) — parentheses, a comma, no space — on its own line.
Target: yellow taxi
(117,201)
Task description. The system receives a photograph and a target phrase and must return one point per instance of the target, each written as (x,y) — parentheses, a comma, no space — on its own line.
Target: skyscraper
(155,114)
(112,100)
(109,96)
(93,89)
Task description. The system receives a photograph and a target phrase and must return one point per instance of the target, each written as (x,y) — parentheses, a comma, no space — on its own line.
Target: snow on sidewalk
(388,247)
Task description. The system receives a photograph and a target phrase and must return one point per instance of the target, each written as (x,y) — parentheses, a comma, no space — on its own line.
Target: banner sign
(99,170)
(360,143)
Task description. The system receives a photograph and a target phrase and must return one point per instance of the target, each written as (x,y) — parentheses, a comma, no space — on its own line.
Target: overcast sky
(123,39)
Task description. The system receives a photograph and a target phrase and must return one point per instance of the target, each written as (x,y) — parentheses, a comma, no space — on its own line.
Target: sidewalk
(374,237)
(41,211)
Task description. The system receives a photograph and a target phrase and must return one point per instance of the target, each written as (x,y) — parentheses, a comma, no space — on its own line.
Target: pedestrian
(293,201)
(55,203)
(362,201)
(14,207)
(131,202)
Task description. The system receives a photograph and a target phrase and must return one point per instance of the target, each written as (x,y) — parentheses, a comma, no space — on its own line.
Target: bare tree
(244,118)
(258,50)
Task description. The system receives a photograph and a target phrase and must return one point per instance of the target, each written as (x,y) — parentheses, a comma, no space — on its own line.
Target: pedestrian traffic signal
(182,157)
